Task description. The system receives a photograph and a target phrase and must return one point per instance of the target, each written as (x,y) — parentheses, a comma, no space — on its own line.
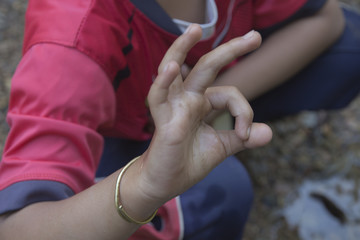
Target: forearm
(90,214)
(183,151)
(286,52)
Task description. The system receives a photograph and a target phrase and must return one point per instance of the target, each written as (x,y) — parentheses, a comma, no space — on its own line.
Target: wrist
(131,202)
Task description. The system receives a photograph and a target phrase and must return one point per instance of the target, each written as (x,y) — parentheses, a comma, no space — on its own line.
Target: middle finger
(207,68)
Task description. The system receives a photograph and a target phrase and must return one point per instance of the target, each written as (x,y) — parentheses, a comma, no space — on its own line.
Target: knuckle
(209,63)
(235,94)
(204,60)
(250,112)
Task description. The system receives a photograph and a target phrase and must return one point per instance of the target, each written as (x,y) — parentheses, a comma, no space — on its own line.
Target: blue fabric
(21,194)
(331,82)
(216,208)
(117,153)
(310,8)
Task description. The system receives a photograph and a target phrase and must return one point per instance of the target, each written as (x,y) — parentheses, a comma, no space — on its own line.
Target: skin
(188,10)
(183,151)
(286,52)
(280,57)
(184,148)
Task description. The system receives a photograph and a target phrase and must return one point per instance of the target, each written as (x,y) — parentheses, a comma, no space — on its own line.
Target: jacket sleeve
(59,101)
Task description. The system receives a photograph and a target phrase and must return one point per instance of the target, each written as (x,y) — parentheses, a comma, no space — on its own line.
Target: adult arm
(286,52)
(184,149)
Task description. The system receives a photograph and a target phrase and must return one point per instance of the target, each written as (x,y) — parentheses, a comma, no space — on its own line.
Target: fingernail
(249,35)
(248,132)
(166,67)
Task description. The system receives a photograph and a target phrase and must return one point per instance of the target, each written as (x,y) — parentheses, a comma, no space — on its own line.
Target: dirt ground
(310,146)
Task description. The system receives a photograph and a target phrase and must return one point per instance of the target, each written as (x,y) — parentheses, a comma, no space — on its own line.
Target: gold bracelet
(119,207)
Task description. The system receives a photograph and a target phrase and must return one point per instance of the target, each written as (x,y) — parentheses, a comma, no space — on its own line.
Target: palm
(188,136)
(184,146)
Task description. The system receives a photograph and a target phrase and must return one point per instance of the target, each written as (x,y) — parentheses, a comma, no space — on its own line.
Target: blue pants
(215,208)
(330,82)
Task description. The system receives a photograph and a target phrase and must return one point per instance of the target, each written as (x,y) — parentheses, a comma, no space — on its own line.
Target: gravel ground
(11,32)
(311,147)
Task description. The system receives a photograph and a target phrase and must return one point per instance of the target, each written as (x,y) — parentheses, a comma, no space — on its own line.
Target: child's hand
(184,148)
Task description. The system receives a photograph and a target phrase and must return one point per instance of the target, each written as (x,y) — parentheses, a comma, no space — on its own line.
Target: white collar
(211,18)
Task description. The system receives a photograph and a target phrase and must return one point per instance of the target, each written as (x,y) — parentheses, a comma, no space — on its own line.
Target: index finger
(182,45)
(205,71)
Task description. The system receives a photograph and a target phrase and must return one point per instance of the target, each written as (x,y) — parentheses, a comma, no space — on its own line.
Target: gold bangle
(119,207)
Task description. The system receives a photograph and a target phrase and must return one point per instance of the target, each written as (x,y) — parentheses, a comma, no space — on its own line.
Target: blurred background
(306,181)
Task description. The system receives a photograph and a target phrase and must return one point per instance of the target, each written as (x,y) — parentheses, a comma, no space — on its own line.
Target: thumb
(260,134)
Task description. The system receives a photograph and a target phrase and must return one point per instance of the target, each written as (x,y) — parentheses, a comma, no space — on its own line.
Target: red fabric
(64,141)
(54,21)
(172,230)
(62,97)
(48,141)
(101,30)
(270,12)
